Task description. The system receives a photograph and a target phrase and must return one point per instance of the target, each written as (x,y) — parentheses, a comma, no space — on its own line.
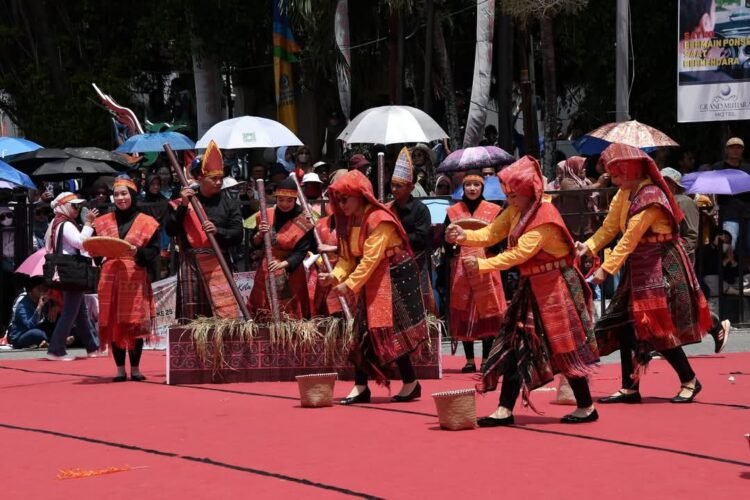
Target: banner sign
(165,299)
(713,61)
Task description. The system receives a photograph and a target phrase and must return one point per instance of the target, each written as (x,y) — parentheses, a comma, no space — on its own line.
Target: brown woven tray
(104,246)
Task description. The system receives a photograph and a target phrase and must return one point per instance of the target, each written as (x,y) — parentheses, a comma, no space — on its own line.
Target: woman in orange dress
(126,301)
(477,301)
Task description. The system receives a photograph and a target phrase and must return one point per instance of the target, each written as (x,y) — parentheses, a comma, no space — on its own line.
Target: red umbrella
(34,264)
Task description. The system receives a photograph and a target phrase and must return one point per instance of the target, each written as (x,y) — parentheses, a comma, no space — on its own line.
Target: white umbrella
(248,132)
(392,125)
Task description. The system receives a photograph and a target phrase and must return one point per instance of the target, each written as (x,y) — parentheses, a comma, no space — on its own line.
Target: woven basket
(457,410)
(316,391)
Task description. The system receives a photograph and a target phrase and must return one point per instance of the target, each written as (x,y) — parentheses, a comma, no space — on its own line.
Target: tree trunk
(530,132)
(550,96)
(446,80)
(504,78)
(49,47)
(208,88)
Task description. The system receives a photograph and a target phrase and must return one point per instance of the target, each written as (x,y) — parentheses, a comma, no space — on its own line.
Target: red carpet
(253,440)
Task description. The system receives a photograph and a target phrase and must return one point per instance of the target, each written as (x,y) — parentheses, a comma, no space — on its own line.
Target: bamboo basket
(316,391)
(457,410)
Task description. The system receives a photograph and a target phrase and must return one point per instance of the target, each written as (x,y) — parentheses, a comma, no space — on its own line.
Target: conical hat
(404,168)
(212,163)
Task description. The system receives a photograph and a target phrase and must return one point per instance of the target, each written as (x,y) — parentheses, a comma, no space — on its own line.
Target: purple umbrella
(475,158)
(726,181)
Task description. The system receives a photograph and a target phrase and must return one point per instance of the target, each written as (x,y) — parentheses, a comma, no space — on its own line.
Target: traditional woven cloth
(126,301)
(658,300)
(390,314)
(403,170)
(477,301)
(545,334)
(203,289)
(548,327)
(323,302)
(376,346)
(289,286)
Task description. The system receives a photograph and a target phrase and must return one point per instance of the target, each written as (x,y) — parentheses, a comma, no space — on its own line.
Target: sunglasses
(6,216)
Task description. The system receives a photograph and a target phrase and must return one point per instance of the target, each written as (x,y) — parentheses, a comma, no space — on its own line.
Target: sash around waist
(543,268)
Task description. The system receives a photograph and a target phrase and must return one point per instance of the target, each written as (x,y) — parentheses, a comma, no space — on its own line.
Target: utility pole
(622,56)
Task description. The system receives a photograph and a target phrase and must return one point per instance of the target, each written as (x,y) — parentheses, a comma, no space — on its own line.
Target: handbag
(75,273)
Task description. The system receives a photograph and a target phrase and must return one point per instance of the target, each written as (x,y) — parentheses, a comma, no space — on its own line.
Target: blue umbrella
(492,190)
(438,208)
(154,143)
(10,174)
(588,145)
(10,146)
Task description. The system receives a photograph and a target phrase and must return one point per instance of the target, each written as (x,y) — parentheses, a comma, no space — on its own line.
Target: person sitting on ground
(33,316)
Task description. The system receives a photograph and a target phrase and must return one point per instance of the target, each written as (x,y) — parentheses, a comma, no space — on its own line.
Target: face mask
(725,247)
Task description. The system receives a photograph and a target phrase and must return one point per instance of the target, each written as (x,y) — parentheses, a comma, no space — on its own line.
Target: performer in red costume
(376,266)
(547,328)
(658,304)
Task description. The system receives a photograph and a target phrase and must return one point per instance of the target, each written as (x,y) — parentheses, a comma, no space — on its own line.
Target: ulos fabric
(533,335)
(126,300)
(289,285)
(659,300)
(656,277)
(203,289)
(322,300)
(375,347)
(477,301)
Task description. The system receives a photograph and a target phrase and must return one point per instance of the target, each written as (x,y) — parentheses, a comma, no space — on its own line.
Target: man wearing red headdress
(547,327)
(376,269)
(202,288)
(658,304)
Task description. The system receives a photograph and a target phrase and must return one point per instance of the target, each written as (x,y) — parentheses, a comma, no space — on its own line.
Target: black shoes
(415,393)
(574,419)
(362,397)
(721,335)
(495,422)
(120,378)
(694,392)
(621,397)
(469,367)
(138,378)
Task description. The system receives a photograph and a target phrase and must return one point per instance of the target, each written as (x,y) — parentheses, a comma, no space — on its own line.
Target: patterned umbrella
(475,158)
(632,133)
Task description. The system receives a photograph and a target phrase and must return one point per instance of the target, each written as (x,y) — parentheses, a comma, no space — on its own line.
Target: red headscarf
(525,178)
(632,163)
(354,183)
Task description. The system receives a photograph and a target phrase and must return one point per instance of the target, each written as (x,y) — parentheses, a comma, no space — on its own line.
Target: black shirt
(415,217)
(221,210)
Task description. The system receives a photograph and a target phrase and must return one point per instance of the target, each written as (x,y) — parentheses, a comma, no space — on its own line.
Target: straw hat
(316,391)
(457,410)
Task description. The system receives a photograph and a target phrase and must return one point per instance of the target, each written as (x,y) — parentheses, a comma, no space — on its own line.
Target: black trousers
(135,354)
(404,367)
(511,387)
(486,347)
(675,357)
